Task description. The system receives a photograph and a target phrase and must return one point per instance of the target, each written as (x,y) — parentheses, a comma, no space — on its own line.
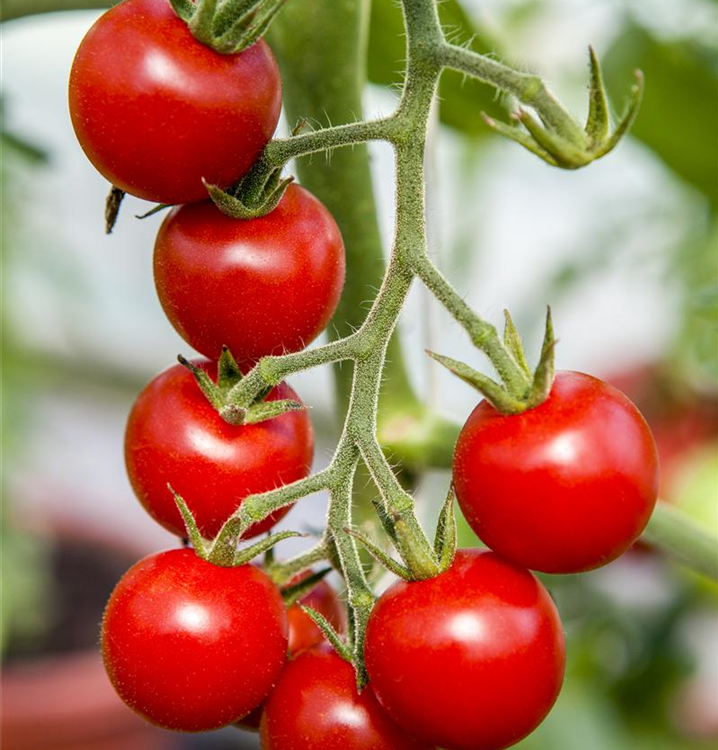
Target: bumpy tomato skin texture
(174,436)
(472,659)
(191,646)
(156,111)
(315,706)
(562,488)
(264,286)
(303,633)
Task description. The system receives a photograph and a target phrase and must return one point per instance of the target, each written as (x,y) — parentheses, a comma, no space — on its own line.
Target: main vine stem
(427,54)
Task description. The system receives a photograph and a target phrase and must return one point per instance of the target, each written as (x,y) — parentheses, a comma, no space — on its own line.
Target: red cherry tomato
(303,633)
(472,659)
(263,286)
(192,646)
(175,436)
(156,111)
(315,706)
(562,488)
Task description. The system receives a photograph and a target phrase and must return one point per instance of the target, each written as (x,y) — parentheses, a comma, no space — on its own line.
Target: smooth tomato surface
(263,286)
(315,706)
(303,633)
(156,111)
(562,488)
(175,436)
(192,646)
(472,659)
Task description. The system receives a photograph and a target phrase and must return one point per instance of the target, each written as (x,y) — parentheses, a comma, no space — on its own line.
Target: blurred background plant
(626,252)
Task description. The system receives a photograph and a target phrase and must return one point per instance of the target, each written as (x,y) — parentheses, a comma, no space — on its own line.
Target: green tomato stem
(675,533)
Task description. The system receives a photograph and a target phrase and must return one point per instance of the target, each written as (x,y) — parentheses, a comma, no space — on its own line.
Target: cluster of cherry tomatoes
(471,659)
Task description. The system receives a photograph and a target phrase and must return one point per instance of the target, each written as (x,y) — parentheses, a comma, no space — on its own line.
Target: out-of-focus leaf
(679,115)
(462,100)
(696,265)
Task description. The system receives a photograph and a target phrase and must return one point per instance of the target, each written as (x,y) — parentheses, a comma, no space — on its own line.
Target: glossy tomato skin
(472,659)
(562,488)
(174,436)
(191,646)
(156,111)
(303,633)
(263,286)
(315,706)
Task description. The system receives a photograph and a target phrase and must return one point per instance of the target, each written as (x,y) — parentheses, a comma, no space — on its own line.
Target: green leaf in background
(462,100)
(679,115)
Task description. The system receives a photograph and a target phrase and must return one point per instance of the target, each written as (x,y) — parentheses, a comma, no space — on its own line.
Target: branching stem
(427,54)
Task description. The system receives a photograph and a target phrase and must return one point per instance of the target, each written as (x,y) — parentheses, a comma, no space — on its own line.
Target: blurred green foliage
(678,119)
(25,594)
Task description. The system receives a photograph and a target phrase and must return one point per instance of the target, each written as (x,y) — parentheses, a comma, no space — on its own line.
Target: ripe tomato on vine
(193,646)
(157,112)
(261,286)
(472,658)
(175,436)
(562,488)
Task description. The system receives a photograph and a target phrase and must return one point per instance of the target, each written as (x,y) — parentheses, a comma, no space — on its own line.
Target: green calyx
(509,398)
(561,142)
(227,26)
(218,552)
(248,199)
(223,397)
(414,568)
(258,193)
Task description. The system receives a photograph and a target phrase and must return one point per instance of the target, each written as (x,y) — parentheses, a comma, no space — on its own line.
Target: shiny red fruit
(315,706)
(263,286)
(191,646)
(156,111)
(175,436)
(562,488)
(303,633)
(472,659)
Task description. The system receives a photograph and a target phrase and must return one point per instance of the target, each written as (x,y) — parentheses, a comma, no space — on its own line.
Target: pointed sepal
(512,341)
(185,9)
(546,368)
(227,26)
(260,412)
(201,22)
(445,539)
(154,210)
(193,532)
(249,27)
(228,372)
(520,136)
(243,556)
(239,207)
(112,208)
(380,556)
(329,633)
(385,519)
(495,394)
(598,122)
(292,594)
(206,384)
(561,141)
(628,117)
